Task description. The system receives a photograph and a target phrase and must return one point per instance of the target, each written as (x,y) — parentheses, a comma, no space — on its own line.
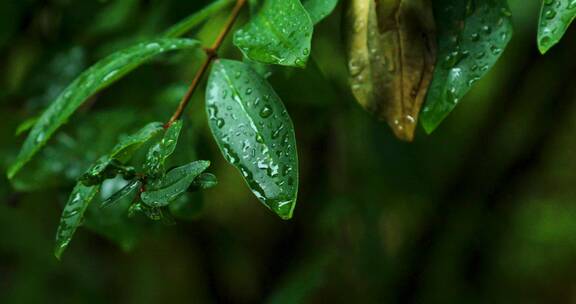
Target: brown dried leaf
(391,47)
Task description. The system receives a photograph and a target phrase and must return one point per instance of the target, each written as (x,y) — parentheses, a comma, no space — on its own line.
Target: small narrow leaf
(72,215)
(255,133)
(471,37)
(391,55)
(173,184)
(281,33)
(129,190)
(96,78)
(319,9)
(205,181)
(128,145)
(158,153)
(555,18)
(110,165)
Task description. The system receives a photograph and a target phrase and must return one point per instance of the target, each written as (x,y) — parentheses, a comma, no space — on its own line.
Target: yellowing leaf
(391,53)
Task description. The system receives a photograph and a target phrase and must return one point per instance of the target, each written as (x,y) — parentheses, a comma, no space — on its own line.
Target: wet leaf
(391,53)
(281,33)
(165,190)
(158,153)
(128,145)
(255,133)
(471,37)
(72,215)
(319,9)
(110,165)
(205,181)
(555,18)
(96,78)
(129,190)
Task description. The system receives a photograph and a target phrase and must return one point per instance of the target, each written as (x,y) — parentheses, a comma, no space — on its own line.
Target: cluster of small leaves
(150,188)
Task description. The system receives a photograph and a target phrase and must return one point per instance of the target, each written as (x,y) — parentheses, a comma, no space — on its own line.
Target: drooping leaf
(255,133)
(112,222)
(555,18)
(129,190)
(281,33)
(158,153)
(72,215)
(160,193)
(319,9)
(471,37)
(96,78)
(391,53)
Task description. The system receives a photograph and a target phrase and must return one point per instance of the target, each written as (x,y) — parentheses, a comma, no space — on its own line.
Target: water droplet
(266,112)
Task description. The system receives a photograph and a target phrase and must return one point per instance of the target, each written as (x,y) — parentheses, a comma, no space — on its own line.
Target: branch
(211,54)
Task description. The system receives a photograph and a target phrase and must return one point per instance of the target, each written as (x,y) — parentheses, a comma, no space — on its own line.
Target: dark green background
(481,211)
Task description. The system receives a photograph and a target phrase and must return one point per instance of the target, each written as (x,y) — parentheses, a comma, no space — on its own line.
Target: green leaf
(96,78)
(158,153)
(110,165)
(319,9)
(195,19)
(173,184)
(128,145)
(471,37)
(26,125)
(72,215)
(129,190)
(281,33)
(255,133)
(555,18)
(205,181)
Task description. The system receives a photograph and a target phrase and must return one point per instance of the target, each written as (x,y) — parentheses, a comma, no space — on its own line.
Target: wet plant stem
(211,54)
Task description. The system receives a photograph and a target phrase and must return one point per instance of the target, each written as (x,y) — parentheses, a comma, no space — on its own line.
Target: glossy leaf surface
(96,78)
(254,133)
(158,153)
(281,33)
(205,181)
(129,190)
(555,18)
(72,215)
(391,53)
(471,37)
(160,193)
(110,165)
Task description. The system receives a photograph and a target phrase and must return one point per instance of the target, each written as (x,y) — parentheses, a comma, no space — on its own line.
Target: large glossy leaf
(281,33)
(72,215)
(158,153)
(319,9)
(471,37)
(254,133)
(96,78)
(160,193)
(391,53)
(555,18)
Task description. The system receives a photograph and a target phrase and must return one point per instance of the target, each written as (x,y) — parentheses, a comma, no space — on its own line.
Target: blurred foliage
(482,211)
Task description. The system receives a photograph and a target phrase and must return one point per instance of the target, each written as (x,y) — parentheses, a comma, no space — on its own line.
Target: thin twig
(211,54)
